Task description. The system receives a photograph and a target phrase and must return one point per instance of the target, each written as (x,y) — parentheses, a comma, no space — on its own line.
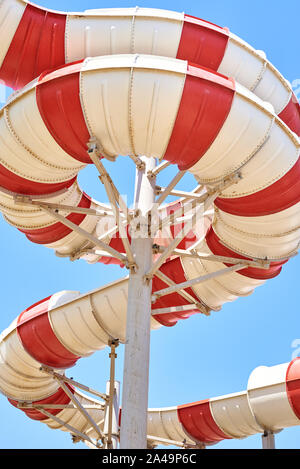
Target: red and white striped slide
(162,84)
(59,330)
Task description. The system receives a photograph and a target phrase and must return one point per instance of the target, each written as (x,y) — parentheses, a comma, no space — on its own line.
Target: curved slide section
(257,217)
(59,330)
(36,39)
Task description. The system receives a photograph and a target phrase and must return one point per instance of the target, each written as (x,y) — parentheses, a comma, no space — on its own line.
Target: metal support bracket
(196,281)
(204,309)
(116,201)
(207,199)
(74,431)
(167,191)
(54,374)
(152,174)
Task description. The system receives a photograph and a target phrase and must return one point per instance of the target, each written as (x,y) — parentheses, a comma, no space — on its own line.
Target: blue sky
(201,357)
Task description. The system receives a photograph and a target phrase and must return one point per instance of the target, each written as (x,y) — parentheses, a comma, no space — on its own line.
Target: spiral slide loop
(165,85)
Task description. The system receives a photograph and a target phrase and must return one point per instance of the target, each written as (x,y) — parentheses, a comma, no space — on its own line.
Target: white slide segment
(151,31)
(83,324)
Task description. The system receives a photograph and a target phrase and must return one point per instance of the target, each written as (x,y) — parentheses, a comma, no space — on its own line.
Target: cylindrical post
(137,348)
(111,422)
(111,413)
(268,440)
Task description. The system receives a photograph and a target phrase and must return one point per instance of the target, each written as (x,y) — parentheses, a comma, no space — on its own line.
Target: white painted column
(137,349)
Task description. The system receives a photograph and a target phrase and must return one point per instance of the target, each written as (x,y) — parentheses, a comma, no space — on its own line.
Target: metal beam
(26,405)
(79,406)
(182,194)
(111,440)
(183,232)
(170,187)
(173,309)
(106,179)
(73,430)
(85,234)
(154,172)
(117,203)
(25,200)
(202,308)
(208,199)
(196,281)
(258,263)
(78,385)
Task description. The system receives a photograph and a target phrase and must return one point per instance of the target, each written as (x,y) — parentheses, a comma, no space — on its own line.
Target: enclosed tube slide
(59,330)
(140,82)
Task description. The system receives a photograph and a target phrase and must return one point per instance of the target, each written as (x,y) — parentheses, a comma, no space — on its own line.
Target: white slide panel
(268,397)
(243,133)
(233,415)
(20,375)
(123,31)
(269,164)
(138,98)
(11,12)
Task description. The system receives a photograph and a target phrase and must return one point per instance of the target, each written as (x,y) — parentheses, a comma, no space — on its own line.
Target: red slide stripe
(293,385)
(38,45)
(279,196)
(174,270)
(198,422)
(291,115)
(38,339)
(14,183)
(205,104)
(60,397)
(58,99)
(217,248)
(57,231)
(117,244)
(202,43)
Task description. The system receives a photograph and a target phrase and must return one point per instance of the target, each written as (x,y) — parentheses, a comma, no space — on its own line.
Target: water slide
(59,330)
(157,83)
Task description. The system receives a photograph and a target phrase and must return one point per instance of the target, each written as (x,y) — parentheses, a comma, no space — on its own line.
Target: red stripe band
(279,196)
(217,248)
(291,115)
(199,423)
(57,231)
(60,397)
(38,45)
(14,183)
(293,385)
(38,339)
(174,270)
(202,43)
(205,104)
(58,100)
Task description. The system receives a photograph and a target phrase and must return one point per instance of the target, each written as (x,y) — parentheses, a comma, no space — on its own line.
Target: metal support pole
(137,349)
(268,440)
(111,422)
